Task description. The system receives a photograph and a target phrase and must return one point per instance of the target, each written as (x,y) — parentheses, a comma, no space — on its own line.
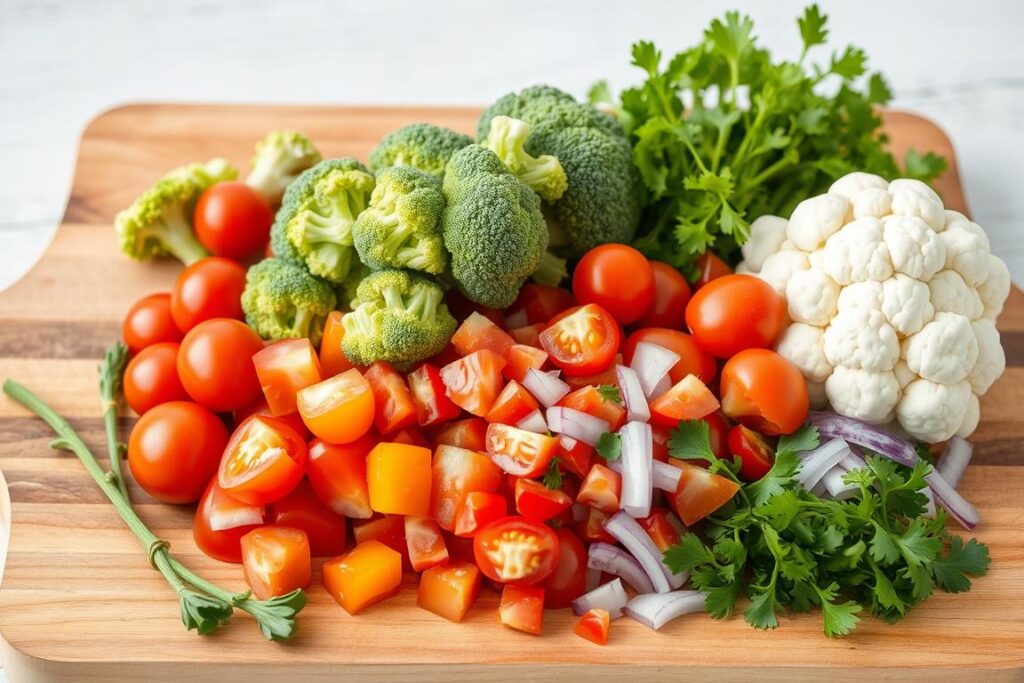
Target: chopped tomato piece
(522,608)
(516,550)
(519,452)
(718,430)
(755,454)
(512,405)
(424,542)
(339,409)
(569,580)
(528,335)
(388,529)
(478,332)
(412,437)
(460,548)
(663,528)
(574,456)
(275,560)
(449,590)
(338,475)
(710,267)
(537,501)
(263,461)
(456,472)
(398,478)
(700,492)
(468,433)
(333,360)
(220,523)
(601,489)
(473,382)
(690,399)
(594,626)
(428,393)
(478,510)
(582,341)
(393,406)
(260,407)
(606,376)
(520,358)
(370,573)
(590,401)
(284,368)
(541,303)
(301,509)
(592,528)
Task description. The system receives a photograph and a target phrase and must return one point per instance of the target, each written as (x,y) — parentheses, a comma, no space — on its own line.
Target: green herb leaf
(609,446)
(762,611)
(689,553)
(951,571)
(610,392)
(781,475)
(553,477)
(804,439)
(691,441)
(813,27)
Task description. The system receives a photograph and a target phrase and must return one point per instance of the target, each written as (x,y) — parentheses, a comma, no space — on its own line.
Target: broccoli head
(280,157)
(604,196)
(401,227)
(314,224)
(281,301)
(544,174)
(420,145)
(159,222)
(398,316)
(492,226)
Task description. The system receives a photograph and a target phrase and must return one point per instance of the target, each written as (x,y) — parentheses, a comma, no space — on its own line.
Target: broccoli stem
(551,271)
(423,303)
(176,233)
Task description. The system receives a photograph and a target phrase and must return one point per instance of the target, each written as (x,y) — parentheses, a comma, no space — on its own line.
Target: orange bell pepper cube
(398,477)
(368,574)
(333,360)
(449,590)
(275,560)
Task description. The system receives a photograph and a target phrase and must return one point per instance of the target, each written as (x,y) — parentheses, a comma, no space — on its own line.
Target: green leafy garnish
(609,446)
(553,477)
(610,392)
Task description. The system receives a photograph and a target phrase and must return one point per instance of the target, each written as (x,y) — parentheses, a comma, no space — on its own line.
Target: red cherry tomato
(302,509)
(693,360)
(174,449)
(285,368)
(569,580)
(262,462)
(220,523)
(541,303)
(519,452)
(233,220)
(151,378)
(582,341)
(215,364)
(699,492)
(616,277)
(671,294)
(536,501)
(710,268)
(735,312)
(209,288)
(260,407)
(338,475)
(516,551)
(764,391)
(753,451)
(149,321)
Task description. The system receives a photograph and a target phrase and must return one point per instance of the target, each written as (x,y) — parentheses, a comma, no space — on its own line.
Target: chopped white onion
(577,424)
(593,578)
(612,559)
(614,465)
(863,434)
(517,319)
(637,465)
(929,507)
(630,534)
(836,487)
(654,610)
(545,387)
(956,505)
(819,461)
(662,387)
(610,596)
(534,422)
(632,394)
(955,459)
(651,364)
(852,461)
(666,477)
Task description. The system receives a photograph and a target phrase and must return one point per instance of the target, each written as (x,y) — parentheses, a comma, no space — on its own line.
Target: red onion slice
(632,394)
(956,505)
(610,596)
(612,559)
(545,387)
(817,462)
(869,436)
(534,422)
(652,363)
(577,424)
(630,534)
(654,610)
(637,465)
(955,459)
(665,477)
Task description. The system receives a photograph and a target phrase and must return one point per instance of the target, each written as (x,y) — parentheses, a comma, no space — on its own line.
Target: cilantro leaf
(951,571)
(721,600)
(850,64)
(804,439)
(883,547)
(646,56)
(609,446)
(691,440)
(689,553)
(839,619)
(813,29)
(761,613)
(927,166)
(553,477)
(781,475)
(610,392)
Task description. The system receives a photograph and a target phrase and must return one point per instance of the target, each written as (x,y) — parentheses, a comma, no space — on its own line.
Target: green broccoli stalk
(283,301)
(346,291)
(401,227)
(280,157)
(551,271)
(399,317)
(159,222)
(544,174)
(423,146)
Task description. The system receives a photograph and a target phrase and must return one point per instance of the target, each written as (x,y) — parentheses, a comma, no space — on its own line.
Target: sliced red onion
(517,319)
(661,387)
(545,387)
(534,422)
(817,462)
(630,534)
(654,610)
(863,434)
(593,578)
(632,394)
(577,424)
(579,512)
(836,487)
(651,364)
(666,477)
(612,559)
(954,460)
(610,596)
(637,465)
(956,505)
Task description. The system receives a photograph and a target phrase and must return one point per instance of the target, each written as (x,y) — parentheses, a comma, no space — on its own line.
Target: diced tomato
(537,501)
(477,332)
(460,549)
(333,360)
(456,472)
(528,335)
(522,608)
(370,573)
(468,433)
(594,626)
(700,492)
(589,400)
(512,405)
(663,528)
(260,407)
(582,341)
(718,430)
(477,511)
(461,308)
(220,523)
(541,303)
(690,399)
(516,550)
(755,454)
(398,479)
(412,437)
(519,452)
(569,580)
(574,456)
(693,360)
(601,489)
(428,393)
(659,442)
(449,590)
(710,267)
(339,409)
(393,406)
(473,382)
(607,376)
(263,461)
(284,368)
(520,358)
(592,528)
(338,475)
(388,529)
(447,355)
(275,560)
(424,542)
(301,509)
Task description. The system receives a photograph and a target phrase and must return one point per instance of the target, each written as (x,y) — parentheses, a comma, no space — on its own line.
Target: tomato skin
(671,294)
(209,288)
(284,368)
(388,529)
(541,303)
(428,394)
(368,574)
(574,456)
(522,608)
(232,220)
(469,433)
(151,377)
(601,489)
(711,268)
(616,277)
(477,511)
(536,501)
(276,560)
(764,391)
(582,341)
(594,626)
(512,405)
(411,436)
(262,462)
(221,544)
(520,358)
(689,399)
(569,580)
(424,542)
(693,360)
(699,492)
(337,474)
(174,449)
(260,407)
(478,332)
(734,313)
(660,525)
(149,321)
(455,473)
(754,453)
(302,509)
(718,430)
(592,528)
(340,409)
(519,452)
(505,539)
(333,360)
(393,405)
(215,364)
(589,400)
(449,590)
(474,381)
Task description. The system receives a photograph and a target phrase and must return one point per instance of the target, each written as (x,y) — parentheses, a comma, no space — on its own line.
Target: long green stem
(111,374)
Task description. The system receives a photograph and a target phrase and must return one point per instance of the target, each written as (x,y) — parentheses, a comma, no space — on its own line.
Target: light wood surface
(79,601)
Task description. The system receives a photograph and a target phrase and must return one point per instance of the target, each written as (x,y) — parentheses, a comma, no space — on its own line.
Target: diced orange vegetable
(699,492)
(477,332)
(388,529)
(338,475)
(368,574)
(478,510)
(593,626)
(660,525)
(333,360)
(473,382)
(398,479)
(411,436)
(339,409)
(689,399)
(589,400)
(592,528)
(520,358)
(456,472)
(528,335)
(449,590)
(393,406)
(512,405)
(601,489)
(469,433)
(275,560)
(424,542)
(522,608)
(284,368)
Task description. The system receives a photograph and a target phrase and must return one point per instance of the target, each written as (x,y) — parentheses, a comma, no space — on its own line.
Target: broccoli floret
(544,174)
(492,227)
(401,227)
(399,317)
(605,193)
(280,157)
(159,222)
(314,224)
(346,291)
(420,145)
(282,301)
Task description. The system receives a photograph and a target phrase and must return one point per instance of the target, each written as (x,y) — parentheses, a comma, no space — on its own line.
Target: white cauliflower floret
(766,236)
(743,269)
(816,395)
(933,412)
(914,198)
(814,220)
(861,338)
(811,296)
(853,184)
(857,252)
(870,396)
(994,289)
(951,294)
(872,203)
(867,294)
(780,266)
(906,304)
(966,254)
(972,416)
(944,350)
(955,219)
(915,249)
(991,360)
(904,375)
(804,346)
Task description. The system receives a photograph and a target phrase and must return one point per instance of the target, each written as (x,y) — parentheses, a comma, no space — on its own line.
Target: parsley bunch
(723,133)
(785,548)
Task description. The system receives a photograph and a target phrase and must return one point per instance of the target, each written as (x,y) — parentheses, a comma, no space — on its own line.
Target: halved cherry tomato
(207,289)
(516,550)
(232,220)
(764,391)
(339,409)
(263,461)
(394,408)
(689,399)
(590,401)
(284,369)
(512,405)
(528,335)
(470,433)
(710,268)
(398,478)
(699,492)
(449,590)
(693,360)
(260,407)
(601,489)
(370,573)
(522,608)
(473,382)
(574,456)
(387,529)
(338,475)
(456,472)
(520,358)
(594,626)
(755,454)
(616,277)
(477,332)
(411,436)
(663,528)
(718,430)
(424,542)
(519,452)
(276,560)
(302,509)
(151,377)
(149,322)
(333,360)
(215,364)
(735,312)
(592,528)
(221,521)
(428,393)
(671,294)
(569,580)
(537,501)
(479,509)
(541,303)
(582,341)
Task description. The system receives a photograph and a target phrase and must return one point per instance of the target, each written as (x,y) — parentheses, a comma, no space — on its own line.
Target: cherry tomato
(541,303)
(473,382)
(149,321)
(711,268)
(338,475)
(520,358)
(209,288)
(594,626)
(339,409)
(592,527)
(276,561)
(233,220)
(302,509)
(601,489)
(735,312)
(616,277)
(663,528)
(529,335)
(512,405)
(215,364)
(220,523)
(537,501)
(284,368)
(478,510)
(590,401)
(671,294)
(718,430)
(428,394)
(693,360)
(393,405)
(522,608)
(260,407)
(151,377)
(333,360)
(582,341)
(449,590)
(753,451)
(425,542)
(478,332)
(689,399)
(569,580)
(519,452)
(455,473)
(387,529)
(699,492)
(764,391)
(470,433)
(174,449)
(516,551)
(262,462)
(574,456)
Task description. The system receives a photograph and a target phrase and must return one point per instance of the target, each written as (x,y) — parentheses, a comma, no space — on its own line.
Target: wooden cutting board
(79,601)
